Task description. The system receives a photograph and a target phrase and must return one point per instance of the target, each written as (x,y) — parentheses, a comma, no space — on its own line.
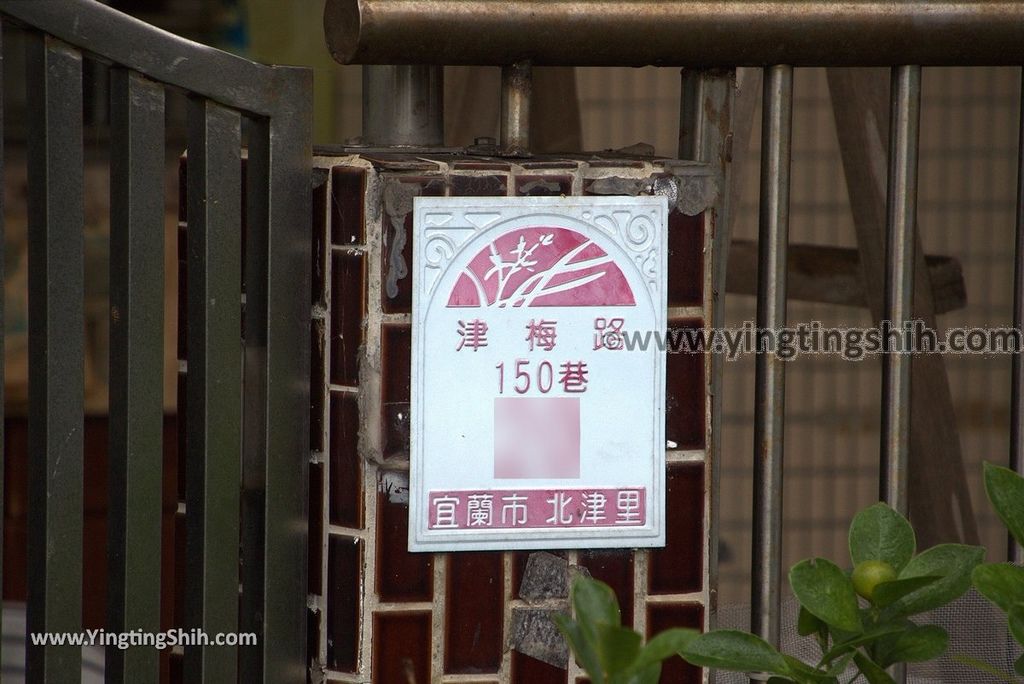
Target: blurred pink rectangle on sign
(536,437)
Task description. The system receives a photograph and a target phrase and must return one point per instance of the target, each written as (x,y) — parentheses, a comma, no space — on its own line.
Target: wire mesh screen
(966,210)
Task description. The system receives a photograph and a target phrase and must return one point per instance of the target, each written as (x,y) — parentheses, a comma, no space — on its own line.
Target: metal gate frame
(247,444)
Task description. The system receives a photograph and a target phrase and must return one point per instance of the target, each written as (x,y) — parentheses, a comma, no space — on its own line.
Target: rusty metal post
(403,105)
(516,92)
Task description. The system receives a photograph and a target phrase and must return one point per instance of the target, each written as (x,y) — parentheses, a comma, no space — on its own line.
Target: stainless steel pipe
(770,370)
(516,94)
(403,105)
(698,33)
(904,126)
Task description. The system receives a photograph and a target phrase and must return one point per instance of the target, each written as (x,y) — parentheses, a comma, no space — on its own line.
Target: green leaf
(594,602)
(648,675)
(880,533)
(839,666)
(617,647)
(888,593)
(826,592)
(912,645)
(872,671)
(807,624)
(1015,617)
(805,674)
(1018,666)
(728,649)
(581,647)
(1000,583)
(952,563)
(1005,490)
(669,643)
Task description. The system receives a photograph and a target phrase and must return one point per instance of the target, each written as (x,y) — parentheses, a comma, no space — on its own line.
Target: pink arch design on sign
(541,266)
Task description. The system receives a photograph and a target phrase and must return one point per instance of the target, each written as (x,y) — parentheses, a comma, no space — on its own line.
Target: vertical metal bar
(691,117)
(1014,552)
(254,413)
(702,137)
(516,93)
(277,319)
(770,395)
(136,369)
(213,387)
(403,105)
(901,220)
(56,329)
(3,326)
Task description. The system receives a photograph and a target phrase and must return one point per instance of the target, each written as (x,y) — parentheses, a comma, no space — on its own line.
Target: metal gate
(247,376)
(247,390)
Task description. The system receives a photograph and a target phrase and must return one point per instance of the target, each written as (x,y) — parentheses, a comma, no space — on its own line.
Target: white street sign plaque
(534,425)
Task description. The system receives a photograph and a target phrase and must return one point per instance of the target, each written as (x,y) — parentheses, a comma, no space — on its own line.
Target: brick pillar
(379,612)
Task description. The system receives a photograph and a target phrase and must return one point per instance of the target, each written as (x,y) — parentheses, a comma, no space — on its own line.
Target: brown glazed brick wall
(379,613)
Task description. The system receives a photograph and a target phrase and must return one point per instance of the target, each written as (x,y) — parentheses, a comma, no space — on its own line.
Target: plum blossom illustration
(541,267)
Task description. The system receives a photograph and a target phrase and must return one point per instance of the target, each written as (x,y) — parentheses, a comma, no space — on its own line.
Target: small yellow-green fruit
(869,574)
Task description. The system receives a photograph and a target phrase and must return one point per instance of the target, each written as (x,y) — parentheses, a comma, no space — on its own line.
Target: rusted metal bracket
(516,96)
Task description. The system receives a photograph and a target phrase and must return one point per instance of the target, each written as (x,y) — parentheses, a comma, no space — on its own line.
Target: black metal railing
(247,388)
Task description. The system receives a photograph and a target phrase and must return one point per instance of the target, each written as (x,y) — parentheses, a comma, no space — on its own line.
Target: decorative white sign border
(443,227)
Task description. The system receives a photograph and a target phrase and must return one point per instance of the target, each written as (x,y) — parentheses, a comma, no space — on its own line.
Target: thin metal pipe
(56,322)
(770,376)
(901,221)
(516,94)
(403,105)
(696,33)
(1014,551)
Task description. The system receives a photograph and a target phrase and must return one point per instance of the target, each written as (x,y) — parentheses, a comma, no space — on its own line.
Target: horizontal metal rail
(120,39)
(698,33)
